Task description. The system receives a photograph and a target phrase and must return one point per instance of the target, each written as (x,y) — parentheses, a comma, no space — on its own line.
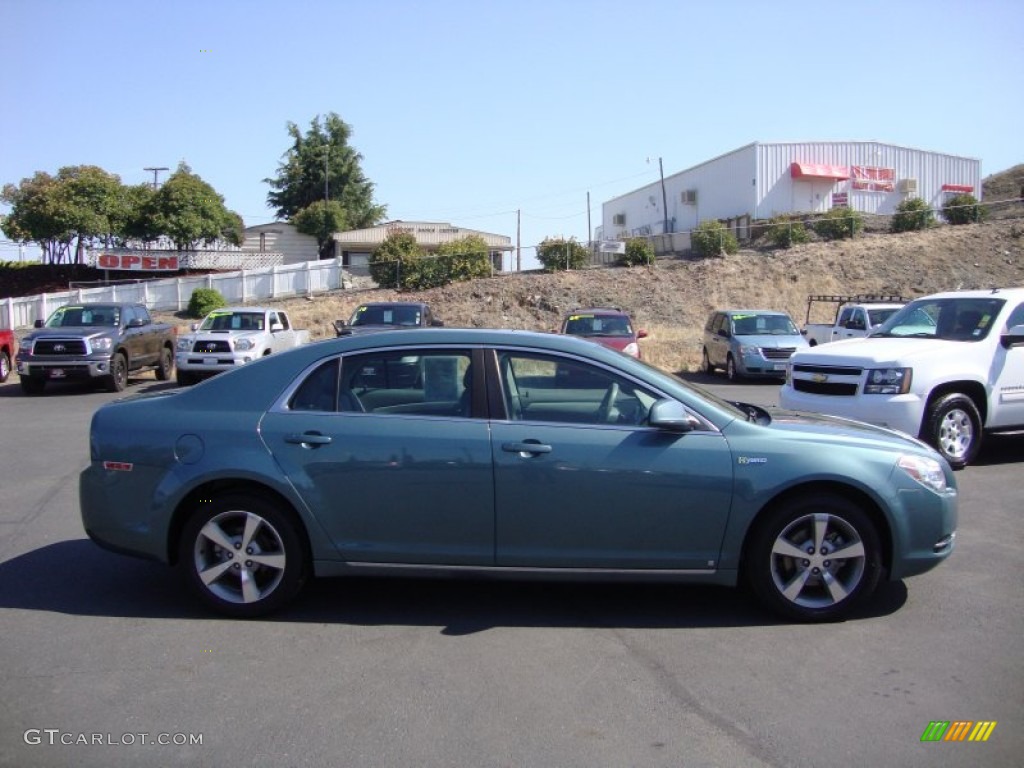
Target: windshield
(376,315)
(763,325)
(598,325)
(233,321)
(966,319)
(85,316)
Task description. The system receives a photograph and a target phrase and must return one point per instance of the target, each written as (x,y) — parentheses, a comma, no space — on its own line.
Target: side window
(431,383)
(857,320)
(552,389)
(319,392)
(143,314)
(1016,317)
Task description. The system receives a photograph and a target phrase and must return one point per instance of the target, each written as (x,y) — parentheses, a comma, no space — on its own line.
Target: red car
(609,326)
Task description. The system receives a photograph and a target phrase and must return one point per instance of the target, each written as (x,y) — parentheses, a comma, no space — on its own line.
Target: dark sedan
(504,453)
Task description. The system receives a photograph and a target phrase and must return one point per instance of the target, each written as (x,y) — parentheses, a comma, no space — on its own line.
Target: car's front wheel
(243,555)
(953,426)
(118,378)
(730,369)
(814,558)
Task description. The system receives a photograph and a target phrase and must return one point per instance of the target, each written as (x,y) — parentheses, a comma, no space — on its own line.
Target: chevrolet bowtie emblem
(820,378)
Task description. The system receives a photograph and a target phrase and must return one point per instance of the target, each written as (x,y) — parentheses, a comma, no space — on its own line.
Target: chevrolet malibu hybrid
(504,453)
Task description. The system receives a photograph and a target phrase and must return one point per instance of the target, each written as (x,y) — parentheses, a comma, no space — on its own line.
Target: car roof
(243,309)
(752,312)
(393,304)
(598,311)
(985,293)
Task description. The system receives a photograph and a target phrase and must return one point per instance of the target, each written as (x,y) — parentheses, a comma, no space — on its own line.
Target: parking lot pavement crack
(665,679)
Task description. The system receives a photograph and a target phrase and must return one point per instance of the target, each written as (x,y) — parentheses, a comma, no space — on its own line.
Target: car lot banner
(139,261)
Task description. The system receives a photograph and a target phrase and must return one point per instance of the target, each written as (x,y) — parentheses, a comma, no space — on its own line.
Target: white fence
(282,281)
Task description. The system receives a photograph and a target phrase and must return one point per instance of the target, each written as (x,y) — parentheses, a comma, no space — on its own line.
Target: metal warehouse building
(759,181)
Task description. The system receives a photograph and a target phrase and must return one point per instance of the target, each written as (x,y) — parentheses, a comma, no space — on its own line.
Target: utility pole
(664,197)
(519,263)
(590,232)
(155,171)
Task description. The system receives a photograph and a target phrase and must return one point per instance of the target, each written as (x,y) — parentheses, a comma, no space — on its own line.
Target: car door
(133,337)
(394,463)
(718,340)
(1008,377)
(581,482)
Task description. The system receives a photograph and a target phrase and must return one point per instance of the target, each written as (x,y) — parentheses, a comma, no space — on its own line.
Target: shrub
(963,209)
(464,258)
(712,238)
(558,253)
(912,215)
(784,231)
(639,251)
(839,223)
(203,301)
(394,263)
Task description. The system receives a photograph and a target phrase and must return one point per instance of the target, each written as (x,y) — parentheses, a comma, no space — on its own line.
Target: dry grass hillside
(673,298)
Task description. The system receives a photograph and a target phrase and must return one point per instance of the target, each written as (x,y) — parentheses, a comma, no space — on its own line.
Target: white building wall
(282,238)
(724,187)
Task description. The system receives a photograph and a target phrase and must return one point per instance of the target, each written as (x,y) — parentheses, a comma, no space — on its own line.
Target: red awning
(819,171)
(958,188)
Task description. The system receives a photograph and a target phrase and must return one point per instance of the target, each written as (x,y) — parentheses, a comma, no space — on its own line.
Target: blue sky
(467,111)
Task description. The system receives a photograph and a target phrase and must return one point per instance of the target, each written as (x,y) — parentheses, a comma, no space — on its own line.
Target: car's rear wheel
(814,558)
(953,426)
(5,366)
(706,365)
(166,366)
(242,555)
(118,378)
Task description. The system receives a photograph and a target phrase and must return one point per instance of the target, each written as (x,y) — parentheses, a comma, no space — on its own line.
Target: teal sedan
(504,453)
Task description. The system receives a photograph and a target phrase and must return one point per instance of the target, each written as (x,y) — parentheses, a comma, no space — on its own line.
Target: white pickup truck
(232,336)
(945,368)
(855,316)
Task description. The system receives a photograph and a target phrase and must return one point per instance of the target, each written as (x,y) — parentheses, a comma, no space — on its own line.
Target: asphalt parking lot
(103,657)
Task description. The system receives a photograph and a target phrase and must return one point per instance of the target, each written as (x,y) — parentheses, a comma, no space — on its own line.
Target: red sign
(138,262)
(967,188)
(840,200)
(873,179)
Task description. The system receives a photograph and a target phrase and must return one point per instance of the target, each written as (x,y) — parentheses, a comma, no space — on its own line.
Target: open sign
(137,262)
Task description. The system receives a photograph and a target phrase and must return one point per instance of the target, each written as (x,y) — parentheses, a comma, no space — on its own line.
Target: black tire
(790,560)
(165,369)
(952,426)
(186,379)
(730,369)
(118,378)
(272,559)
(5,366)
(705,364)
(32,385)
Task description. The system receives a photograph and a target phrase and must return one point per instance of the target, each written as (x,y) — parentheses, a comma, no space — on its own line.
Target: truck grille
(62,347)
(826,380)
(212,346)
(777,353)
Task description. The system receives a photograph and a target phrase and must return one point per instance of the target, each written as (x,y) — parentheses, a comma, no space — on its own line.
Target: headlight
(104,344)
(749,349)
(927,472)
(888,381)
(243,344)
(632,349)
(184,344)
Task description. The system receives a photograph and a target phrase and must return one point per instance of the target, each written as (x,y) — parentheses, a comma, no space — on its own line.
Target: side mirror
(38,323)
(1013,337)
(641,334)
(276,326)
(724,333)
(194,326)
(672,417)
(339,327)
(135,322)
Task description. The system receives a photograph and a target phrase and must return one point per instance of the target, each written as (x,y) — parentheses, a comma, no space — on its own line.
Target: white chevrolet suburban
(944,368)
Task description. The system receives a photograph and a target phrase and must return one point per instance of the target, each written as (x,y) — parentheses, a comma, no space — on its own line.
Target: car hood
(618,343)
(837,431)
(869,351)
(770,340)
(74,331)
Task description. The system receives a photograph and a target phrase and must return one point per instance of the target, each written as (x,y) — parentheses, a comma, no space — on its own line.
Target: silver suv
(750,342)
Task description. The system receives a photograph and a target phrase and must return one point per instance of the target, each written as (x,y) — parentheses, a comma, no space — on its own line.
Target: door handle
(532,447)
(308,439)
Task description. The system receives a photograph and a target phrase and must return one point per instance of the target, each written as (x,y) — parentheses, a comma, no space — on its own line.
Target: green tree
(321,163)
(911,215)
(132,220)
(31,219)
(963,209)
(321,220)
(713,238)
(189,211)
(558,253)
(396,260)
(464,258)
(639,251)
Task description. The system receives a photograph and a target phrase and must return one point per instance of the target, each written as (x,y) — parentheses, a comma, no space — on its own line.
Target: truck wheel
(814,558)
(118,378)
(166,366)
(242,555)
(33,385)
(5,366)
(953,427)
(730,369)
(706,365)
